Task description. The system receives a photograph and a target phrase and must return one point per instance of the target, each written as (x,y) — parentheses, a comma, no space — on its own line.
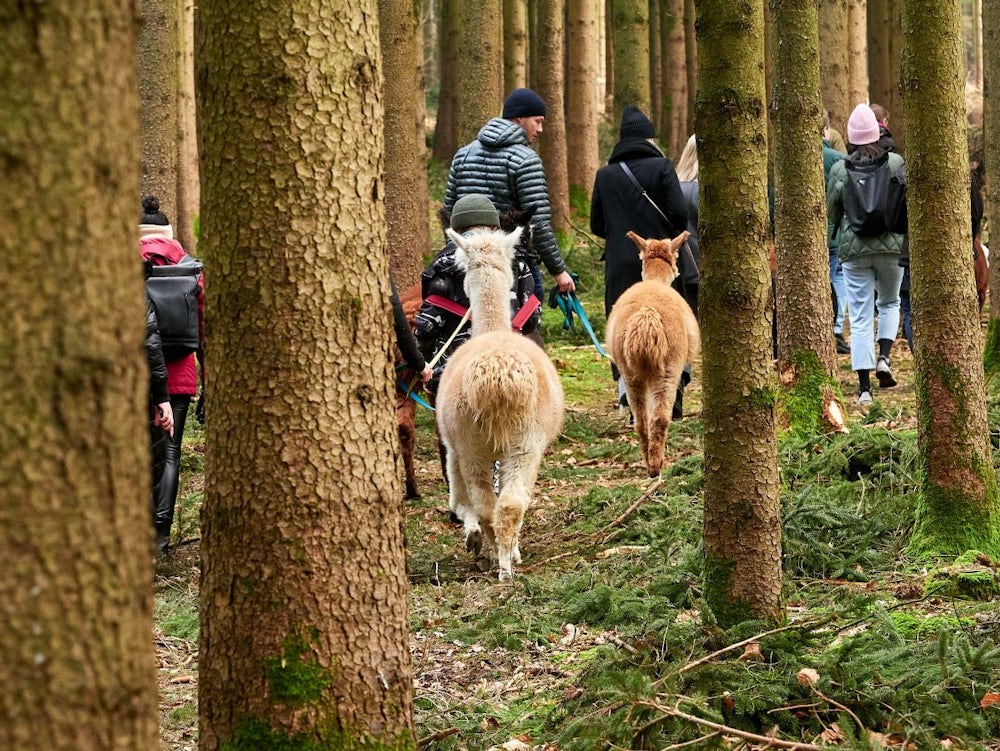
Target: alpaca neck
(659,270)
(489,299)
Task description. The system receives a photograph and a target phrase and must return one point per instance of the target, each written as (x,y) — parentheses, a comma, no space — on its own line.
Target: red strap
(445,304)
(530,306)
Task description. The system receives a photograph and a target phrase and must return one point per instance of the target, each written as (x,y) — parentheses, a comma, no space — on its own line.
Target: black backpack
(874,198)
(173,290)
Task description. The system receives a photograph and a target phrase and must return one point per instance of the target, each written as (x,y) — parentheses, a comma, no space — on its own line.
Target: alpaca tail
(502,393)
(644,343)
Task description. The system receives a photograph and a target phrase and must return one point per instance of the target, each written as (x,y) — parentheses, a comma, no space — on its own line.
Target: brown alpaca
(406,408)
(651,334)
(982,270)
(500,400)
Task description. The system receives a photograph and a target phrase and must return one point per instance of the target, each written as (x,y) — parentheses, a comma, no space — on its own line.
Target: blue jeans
(872,284)
(840,289)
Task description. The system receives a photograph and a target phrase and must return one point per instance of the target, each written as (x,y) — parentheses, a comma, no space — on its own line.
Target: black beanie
(635,124)
(151,213)
(523,103)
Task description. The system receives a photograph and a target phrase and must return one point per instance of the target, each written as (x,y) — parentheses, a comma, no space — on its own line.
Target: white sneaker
(864,397)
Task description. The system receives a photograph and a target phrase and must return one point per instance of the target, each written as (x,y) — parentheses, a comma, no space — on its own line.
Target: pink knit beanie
(862,127)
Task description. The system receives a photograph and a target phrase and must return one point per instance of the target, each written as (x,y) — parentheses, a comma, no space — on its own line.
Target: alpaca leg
(478,476)
(637,397)
(660,406)
(517,479)
(405,416)
(458,494)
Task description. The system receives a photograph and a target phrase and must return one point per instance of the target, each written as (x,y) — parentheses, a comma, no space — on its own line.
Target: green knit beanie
(474,210)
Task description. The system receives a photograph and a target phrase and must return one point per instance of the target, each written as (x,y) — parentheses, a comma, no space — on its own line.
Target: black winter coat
(154,356)
(617,206)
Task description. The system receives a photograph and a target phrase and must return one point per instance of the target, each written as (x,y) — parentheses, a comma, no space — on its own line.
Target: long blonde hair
(687,165)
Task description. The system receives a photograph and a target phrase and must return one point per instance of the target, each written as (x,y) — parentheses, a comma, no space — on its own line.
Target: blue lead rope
(569,304)
(405,388)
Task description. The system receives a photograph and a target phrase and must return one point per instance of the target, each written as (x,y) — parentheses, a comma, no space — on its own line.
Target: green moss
(972,576)
(764,398)
(255,735)
(991,353)
(725,611)
(291,679)
(579,201)
(911,626)
(804,400)
(949,521)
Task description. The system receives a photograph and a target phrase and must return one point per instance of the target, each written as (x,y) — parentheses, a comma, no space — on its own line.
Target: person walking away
(831,156)
(158,247)
(500,165)
(870,261)
(639,190)
(161,416)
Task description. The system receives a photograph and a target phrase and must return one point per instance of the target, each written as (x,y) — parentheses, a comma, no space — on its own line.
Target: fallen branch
(435,737)
(726,730)
(638,502)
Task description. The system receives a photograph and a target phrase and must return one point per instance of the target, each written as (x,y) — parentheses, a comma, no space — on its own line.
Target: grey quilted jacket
(500,165)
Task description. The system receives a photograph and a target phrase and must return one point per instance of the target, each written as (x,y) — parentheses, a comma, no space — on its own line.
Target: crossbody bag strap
(631,177)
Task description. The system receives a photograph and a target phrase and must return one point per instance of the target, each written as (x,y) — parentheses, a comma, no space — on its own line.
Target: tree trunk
(742,520)
(188,188)
(446,124)
(583,94)
(550,88)
(159,72)
(977,43)
(691,47)
(75,530)
(991,138)
(655,68)
(674,133)
(834,62)
(515,44)
(857,41)
(879,65)
(630,41)
(303,593)
(895,103)
(406,192)
(480,55)
(958,509)
(805,341)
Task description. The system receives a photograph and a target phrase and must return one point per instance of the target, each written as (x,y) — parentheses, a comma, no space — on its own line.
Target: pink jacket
(182,376)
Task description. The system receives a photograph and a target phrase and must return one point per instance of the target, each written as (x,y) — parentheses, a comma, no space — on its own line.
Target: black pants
(166,493)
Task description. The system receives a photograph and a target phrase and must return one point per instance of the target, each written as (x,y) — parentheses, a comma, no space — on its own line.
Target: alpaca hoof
(507,575)
(412,494)
(474,542)
(453,517)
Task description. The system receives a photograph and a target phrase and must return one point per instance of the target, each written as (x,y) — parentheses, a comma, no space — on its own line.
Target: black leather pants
(166,493)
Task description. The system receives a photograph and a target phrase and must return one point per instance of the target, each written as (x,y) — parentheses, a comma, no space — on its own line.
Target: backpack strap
(445,304)
(521,317)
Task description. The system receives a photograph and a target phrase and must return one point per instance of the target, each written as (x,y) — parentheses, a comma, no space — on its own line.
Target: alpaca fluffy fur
(651,334)
(500,400)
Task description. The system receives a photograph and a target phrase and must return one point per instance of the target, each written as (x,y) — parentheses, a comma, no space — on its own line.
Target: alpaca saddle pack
(517,322)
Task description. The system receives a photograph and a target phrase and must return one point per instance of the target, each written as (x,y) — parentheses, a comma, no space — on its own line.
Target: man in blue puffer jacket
(500,165)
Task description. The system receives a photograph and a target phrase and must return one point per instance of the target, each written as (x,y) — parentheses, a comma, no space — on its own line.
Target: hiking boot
(843,348)
(864,398)
(884,373)
(162,546)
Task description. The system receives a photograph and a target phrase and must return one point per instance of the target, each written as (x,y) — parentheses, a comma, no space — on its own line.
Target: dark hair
(866,152)
(151,213)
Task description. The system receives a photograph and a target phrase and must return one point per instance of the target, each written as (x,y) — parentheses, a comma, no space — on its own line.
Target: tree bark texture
(515,44)
(550,88)
(479,79)
(691,47)
(188,187)
(446,125)
(159,72)
(303,592)
(834,62)
(857,41)
(655,67)
(991,137)
(879,50)
(742,521)
(674,133)
(407,198)
(959,507)
(78,670)
(803,277)
(583,93)
(630,40)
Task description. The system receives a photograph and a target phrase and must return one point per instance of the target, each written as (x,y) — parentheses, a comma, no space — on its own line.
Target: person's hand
(565,282)
(426,374)
(163,417)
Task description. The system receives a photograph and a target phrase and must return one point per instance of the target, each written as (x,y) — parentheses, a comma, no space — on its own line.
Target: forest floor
(599,643)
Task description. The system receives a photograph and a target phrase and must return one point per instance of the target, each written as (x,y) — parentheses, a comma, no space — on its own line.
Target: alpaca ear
(678,241)
(455,237)
(514,237)
(639,241)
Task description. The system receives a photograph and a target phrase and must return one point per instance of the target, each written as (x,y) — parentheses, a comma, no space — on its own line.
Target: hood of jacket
(633,148)
(499,133)
(160,245)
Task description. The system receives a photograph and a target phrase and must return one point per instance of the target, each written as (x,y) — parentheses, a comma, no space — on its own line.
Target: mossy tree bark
(834,61)
(552,143)
(630,42)
(805,334)
(857,41)
(303,637)
(742,523)
(407,197)
(879,71)
(78,670)
(959,506)
(479,78)
(674,133)
(655,67)
(582,94)
(515,44)
(446,124)
(691,48)
(991,134)
(159,88)
(188,186)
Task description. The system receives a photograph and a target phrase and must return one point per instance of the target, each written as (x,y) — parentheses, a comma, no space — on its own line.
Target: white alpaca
(651,334)
(500,399)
